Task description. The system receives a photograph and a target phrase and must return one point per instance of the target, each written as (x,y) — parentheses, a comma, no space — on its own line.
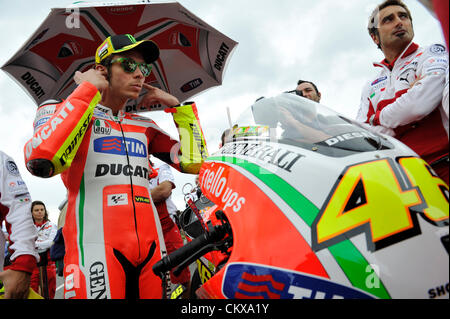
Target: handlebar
(185,252)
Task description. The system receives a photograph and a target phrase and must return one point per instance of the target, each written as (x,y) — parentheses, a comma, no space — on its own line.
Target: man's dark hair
(314,86)
(226,135)
(107,64)
(373,19)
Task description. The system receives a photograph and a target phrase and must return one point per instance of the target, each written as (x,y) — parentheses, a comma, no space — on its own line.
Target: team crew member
(46,231)
(15,206)
(161,188)
(112,236)
(309,90)
(404,100)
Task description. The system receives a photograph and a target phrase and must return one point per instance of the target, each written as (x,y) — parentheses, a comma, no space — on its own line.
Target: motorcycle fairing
(253,281)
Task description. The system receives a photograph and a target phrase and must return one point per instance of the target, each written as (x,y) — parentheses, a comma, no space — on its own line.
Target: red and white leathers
(15,209)
(414,115)
(167,210)
(46,233)
(111,233)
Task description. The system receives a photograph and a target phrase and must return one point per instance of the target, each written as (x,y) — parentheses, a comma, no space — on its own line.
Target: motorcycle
(302,202)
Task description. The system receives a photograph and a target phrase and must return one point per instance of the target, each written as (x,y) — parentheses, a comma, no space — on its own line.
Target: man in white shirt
(15,210)
(404,99)
(161,188)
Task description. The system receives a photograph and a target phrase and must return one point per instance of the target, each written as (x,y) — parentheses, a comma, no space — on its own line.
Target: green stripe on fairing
(352,262)
(301,204)
(81,219)
(357,269)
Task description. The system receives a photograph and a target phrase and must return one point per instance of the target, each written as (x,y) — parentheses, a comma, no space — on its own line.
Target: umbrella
(193,55)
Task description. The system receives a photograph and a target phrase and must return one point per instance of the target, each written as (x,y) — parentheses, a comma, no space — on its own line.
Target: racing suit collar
(411,48)
(41,223)
(106,110)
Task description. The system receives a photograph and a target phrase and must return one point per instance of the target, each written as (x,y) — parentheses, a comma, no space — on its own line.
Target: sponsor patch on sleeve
(118,199)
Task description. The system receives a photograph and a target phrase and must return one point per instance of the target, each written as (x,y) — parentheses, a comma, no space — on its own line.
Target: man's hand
(17,284)
(308,133)
(157,96)
(95,77)
(287,118)
(162,191)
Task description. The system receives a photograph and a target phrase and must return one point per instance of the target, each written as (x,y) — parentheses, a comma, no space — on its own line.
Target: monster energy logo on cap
(125,42)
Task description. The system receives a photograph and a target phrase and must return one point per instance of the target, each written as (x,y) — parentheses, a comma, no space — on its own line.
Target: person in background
(227,136)
(58,249)
(405,99)
(15,206)
(308,90)
(6,255)
(161,187)
(46,233)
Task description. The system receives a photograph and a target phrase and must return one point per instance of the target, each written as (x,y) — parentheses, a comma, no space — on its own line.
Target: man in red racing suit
(112,231)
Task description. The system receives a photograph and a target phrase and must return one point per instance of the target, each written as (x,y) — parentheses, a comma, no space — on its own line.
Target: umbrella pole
(43,278)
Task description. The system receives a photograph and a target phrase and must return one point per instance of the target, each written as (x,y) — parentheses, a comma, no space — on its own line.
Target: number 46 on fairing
(381,199)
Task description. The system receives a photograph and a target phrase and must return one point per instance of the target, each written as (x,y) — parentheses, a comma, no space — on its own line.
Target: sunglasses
(129,66)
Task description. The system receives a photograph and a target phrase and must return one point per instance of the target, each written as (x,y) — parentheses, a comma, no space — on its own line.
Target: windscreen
(291,119)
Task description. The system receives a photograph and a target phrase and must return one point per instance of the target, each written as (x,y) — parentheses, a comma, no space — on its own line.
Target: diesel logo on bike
(115,145)
(97,281)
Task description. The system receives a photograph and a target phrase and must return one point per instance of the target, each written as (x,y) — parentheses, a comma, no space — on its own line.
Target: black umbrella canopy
(193,54)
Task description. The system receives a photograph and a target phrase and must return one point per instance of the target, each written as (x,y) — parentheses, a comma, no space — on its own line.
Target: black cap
(125,42)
